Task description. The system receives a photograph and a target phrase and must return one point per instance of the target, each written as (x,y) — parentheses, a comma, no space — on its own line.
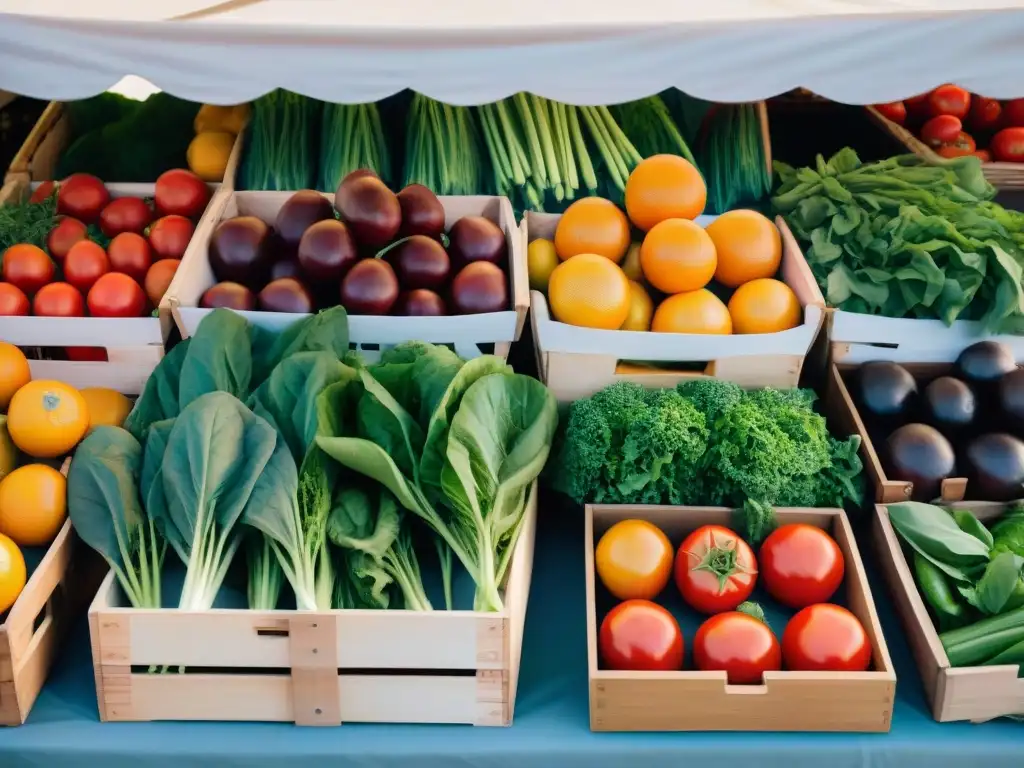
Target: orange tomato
(748,245)
(590,291)
(33,504)
(678,255)
(764,306)
(694,312)
(46,419)
(664,187)
(592,225)
(14,372)
(12,573)
(634,559)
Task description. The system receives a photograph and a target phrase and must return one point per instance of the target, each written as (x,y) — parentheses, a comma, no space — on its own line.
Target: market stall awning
(474,51)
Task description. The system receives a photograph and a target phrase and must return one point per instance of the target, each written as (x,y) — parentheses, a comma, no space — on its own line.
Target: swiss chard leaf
(384,421)
(159,398)
(151,482)
(219,358)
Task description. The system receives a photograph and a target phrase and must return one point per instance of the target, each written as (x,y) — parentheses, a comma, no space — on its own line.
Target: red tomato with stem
(640,635)
(182,193)
(949,100)
(895,111)
(1007,146)
(65,234)
(633,559)
(116,295)
(826,637)
(58,300)
(800,565)
(85,263)
(985,114)
(1013,113)
(715,569)
(739,642)
(13,301)
(130,254)
(940,130)
(125,214)
(27,267)
(170,236)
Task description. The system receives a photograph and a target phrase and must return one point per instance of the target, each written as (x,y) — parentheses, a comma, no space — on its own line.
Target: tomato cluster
(955,122)
(715,572)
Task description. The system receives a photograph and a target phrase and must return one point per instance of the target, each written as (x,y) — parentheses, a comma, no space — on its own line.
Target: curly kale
(710,396)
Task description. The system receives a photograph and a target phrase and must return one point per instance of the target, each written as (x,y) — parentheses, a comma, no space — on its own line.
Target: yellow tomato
(634,560)
(46,419)
(33,504)
(12,573)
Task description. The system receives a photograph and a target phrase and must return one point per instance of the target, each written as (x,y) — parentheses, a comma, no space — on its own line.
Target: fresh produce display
(716,571)
(966,423)
(970,576)
(326,469)
(216,129)
(902,238)
(707,442)
(374,252)
(955,122)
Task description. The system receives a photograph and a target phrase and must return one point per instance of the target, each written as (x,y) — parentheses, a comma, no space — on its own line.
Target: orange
(592,225)
(590,291)
(749,247)
(664,187)
(677,255)
(33,504)
(694,312)
(46,419)
(640,309)
(106,407)
(14,372)
(764,306)
(12,573)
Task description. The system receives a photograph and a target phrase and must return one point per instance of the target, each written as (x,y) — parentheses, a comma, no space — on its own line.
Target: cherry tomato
(182,193)
(170,236)
(58,300)
(985,114)
(27,267)
(1013,113)
(1008,145)
(984,155)
(116,295)
(130,255)
(86,354)
(641,635)
(715,569)
(917,107)
(949,100)
(13,301)
(43,192)
(941,130)
(744,646)
(826,637)
(82,196)
(800,565)
(65,234)
(158,279)
(125,214)
(85,263)
(963,146)
(634,559)
(895,111)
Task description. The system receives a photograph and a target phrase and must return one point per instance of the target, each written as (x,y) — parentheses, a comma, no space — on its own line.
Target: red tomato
(158,279)
(941,130)
(170,236)
(826,637)
(65,234)
(800,565)
(641,635)
(917,107)
(27,267)
(745,647)
(896,111)
(13,301)
(949,100)
(116,295)
(985,114)
(963,146)
(1013,113)
(85,263)
(182,193)
(82,196)
(984,155)
(130,254)
(715,569)
(634,559)
(43,192)
(86,354)
(1007,146)
(58,300)
(125,214)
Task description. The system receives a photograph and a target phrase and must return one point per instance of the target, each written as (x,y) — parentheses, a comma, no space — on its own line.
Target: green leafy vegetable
(932,532)
(265,574)
(159,398)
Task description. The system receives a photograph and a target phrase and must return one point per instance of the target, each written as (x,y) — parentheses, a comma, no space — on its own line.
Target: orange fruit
(664,187)
(592,225)
(12,572)
(693,312)
(749,247)
(14,372)
(764,306)
(46,419)
(590,291)
(640,309)
(677,255)
(33,505)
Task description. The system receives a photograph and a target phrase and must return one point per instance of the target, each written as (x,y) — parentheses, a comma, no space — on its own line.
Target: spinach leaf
(384,421)
(325,331)
(159,398)
(218,359)
(151,482)
(993,591)
(933,533)
(968,523)
(1008,532)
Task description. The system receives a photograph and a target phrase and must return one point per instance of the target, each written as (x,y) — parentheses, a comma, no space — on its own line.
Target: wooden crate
(955,693)
(314,668)
(368,333)
(577,362)
(703,701)
(1000,175)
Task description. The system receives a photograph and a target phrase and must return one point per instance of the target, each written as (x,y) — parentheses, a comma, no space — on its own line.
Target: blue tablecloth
(551,727)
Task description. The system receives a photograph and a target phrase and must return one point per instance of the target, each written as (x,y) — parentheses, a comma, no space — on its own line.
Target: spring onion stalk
(278,155)
(442,148)
(650,127)
(352,137)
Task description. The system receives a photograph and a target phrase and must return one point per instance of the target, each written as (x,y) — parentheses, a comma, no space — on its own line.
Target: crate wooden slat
(314,668)
(954,693)
(703,701)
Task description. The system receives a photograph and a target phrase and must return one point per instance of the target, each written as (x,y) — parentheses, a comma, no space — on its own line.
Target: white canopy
(476,51)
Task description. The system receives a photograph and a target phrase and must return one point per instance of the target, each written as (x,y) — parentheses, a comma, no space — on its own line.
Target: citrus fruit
(640,309)
(106,407)
(14,372)
(590,291)
(541,260)
(631,264)
(33,504)
(47,418)
(748,245)
(677,255)
(592,225)
(693,312)
(764,306)
(208,154)
(12,572)
(664,187)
